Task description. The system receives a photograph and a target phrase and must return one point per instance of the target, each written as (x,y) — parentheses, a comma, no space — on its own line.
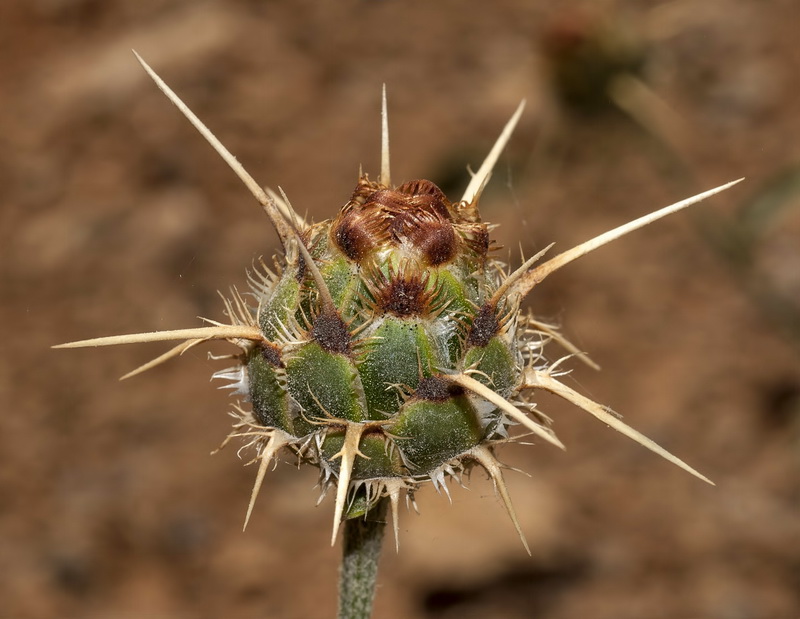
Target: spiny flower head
(387,348)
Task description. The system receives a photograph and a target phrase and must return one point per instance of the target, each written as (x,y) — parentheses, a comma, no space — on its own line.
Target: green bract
(367,333)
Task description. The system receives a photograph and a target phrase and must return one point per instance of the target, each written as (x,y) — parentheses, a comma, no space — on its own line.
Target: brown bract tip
(271,354)
(437,389)
(331,332)
(404,292)
(484,326)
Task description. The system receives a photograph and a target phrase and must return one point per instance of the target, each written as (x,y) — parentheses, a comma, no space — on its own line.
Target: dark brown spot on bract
(330,332)
(300,275)
(271,354)
(405,296)
(484,326)
(437,389)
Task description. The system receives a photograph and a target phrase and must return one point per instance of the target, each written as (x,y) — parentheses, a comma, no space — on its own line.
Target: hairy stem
(359,571)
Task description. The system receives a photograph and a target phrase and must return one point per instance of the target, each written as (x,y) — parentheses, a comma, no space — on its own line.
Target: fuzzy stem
(359,571)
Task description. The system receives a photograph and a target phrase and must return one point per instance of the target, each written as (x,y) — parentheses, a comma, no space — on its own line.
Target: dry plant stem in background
(387,348)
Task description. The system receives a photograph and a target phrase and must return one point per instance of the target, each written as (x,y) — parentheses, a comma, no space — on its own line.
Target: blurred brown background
(117,217)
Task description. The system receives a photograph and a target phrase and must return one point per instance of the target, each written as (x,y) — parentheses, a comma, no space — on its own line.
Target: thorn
(512,411)
(262,471)
(222,332)
(287,211)
(348,454)
(526,282)
(535,379)
(276,442)
(385,178)
(172,352)
(509,281)
(487,460)
(394,499)
(289,214)
(325,295)
(269,206)
(552,332)
(480,178)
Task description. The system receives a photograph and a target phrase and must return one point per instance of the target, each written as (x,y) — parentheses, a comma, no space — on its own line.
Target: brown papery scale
(416,214)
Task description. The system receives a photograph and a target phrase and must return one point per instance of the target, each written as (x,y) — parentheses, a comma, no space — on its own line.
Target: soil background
(116,217)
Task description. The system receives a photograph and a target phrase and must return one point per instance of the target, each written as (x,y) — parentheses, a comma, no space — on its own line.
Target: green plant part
(389,349)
